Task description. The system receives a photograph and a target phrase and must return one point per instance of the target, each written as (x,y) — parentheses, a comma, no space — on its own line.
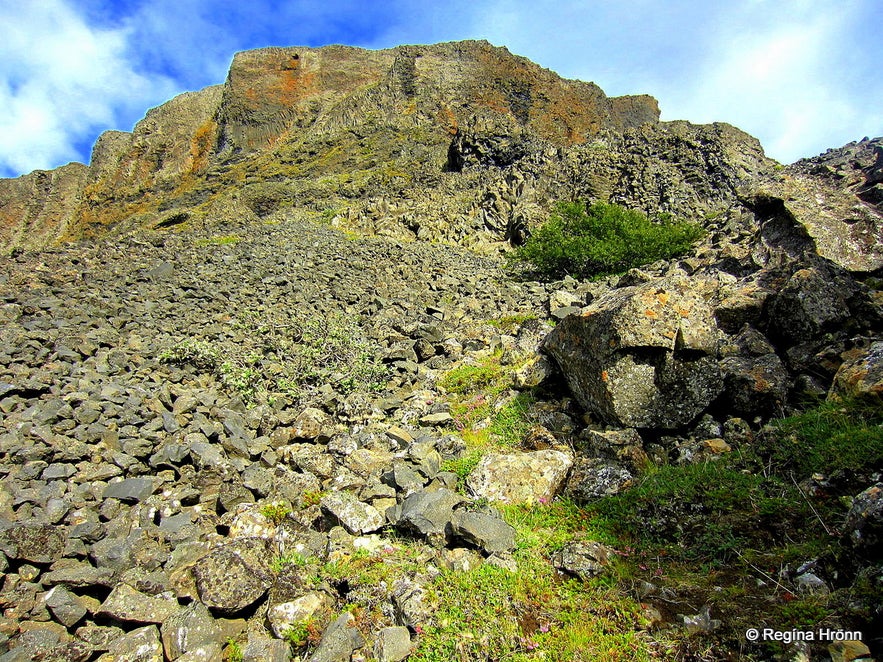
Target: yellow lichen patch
(650,313)
(662,297)
(201,145)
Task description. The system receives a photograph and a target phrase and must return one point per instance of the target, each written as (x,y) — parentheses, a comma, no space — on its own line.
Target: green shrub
(602,239)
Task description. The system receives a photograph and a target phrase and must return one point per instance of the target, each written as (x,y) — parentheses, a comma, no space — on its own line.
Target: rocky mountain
(269,390)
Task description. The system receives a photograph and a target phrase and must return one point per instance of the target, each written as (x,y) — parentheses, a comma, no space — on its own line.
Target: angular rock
(520,478)
(809,303)
(861,375)
(410,603)
(234,575)
(392,644)
(428,514)
(593,478)
(129,489)
(484,531)
(261,648)
(338,641)
(141,645)
(582,559)
(864,521)
(66,607)
(642,356)
(37,543)
(286,615)
(312,424)
(355,516)
(188,630)
(128,604)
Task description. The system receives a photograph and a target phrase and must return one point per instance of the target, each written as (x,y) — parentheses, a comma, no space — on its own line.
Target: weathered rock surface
(522,478)
(643,356)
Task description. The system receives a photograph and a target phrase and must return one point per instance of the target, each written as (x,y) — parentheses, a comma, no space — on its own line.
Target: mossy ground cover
(727,534)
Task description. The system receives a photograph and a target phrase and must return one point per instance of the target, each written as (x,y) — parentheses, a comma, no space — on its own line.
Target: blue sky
(801,75)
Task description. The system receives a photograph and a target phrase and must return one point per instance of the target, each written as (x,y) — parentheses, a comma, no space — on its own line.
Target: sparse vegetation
(275,512)
(587,241)
(295,356)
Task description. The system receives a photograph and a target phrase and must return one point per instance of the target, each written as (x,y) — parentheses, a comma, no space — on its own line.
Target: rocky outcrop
(643,356)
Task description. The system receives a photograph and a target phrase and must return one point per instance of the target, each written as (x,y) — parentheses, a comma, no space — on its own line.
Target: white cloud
(775,74)
(60,79)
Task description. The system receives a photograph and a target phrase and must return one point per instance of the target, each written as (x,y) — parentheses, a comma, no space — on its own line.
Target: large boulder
(642,356)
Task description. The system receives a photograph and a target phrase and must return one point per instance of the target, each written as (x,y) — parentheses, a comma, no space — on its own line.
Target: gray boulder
(392,644)
(484,531)
(428,513)
(582,559)
(189,630)
(128,604)
(234,575)
(355,516)
(642,356)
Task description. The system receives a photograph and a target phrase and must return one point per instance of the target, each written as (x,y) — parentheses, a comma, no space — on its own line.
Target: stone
(128,604)
(312,424)
(261,648)
(864,521)
(848,650)
(235,575)
(66,607)
(428,513)
(129,489)
(861,375)
(188,630)
(520,478)
(754,386)
(392,644)
(642,356)
(338,641)
(593,478)
(807,305)
(460,559)
(582,559)
(286,615)
(355,516)
(141,645)
(486,532)
(411,604)
(37,543)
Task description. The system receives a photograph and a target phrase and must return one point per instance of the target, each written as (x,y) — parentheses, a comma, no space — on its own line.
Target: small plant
(311,498)
(301,634)
(275,512)
(602,239)
(233,651)
(293,559)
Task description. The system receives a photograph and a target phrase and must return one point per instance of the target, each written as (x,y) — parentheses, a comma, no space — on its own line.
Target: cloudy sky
(801,75)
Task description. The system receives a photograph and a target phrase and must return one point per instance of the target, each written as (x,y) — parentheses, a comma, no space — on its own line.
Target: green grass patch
(705,512)
(589,241)
(833,436)
(533,613)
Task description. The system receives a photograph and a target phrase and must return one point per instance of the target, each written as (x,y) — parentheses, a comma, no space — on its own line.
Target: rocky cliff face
(459,142)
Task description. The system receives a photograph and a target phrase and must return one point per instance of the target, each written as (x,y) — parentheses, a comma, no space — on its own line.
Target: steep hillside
(271,389)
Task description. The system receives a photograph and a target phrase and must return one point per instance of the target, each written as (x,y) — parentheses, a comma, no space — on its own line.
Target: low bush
(601,239)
